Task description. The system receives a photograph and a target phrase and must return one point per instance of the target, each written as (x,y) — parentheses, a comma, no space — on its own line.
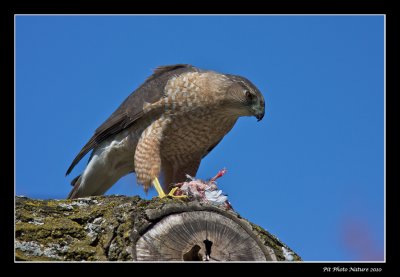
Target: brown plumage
(173,120)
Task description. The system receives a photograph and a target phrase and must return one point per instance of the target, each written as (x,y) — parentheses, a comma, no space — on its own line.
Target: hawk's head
(244,98)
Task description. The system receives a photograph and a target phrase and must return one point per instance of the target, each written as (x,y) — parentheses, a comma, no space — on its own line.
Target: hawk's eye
(249,95)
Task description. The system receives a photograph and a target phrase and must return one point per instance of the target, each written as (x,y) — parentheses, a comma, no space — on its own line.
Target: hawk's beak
(260,115)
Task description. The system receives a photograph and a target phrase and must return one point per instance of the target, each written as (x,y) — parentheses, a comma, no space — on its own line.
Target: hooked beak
(260,115)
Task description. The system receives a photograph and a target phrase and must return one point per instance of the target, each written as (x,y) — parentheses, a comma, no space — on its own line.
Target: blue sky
(311,172)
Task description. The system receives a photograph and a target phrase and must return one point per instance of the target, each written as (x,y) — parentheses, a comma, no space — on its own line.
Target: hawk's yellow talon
(158,188)
(162,194)
(171,194)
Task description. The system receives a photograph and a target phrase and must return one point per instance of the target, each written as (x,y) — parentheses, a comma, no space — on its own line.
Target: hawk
(165,128)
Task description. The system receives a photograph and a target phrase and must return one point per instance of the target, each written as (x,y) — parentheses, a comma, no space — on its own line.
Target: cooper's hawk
(172,121)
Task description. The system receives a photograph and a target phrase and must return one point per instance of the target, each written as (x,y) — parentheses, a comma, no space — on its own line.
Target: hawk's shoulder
(165,68)
(175,69)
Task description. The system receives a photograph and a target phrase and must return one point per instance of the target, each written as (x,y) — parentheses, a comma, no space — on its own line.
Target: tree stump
(109,228)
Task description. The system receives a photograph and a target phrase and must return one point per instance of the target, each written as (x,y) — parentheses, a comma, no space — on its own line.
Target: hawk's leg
(147,158)
(161,192)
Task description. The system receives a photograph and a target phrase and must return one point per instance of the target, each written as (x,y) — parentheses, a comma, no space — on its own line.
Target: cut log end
(199,235)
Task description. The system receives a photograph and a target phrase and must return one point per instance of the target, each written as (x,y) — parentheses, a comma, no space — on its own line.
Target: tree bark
(119,228)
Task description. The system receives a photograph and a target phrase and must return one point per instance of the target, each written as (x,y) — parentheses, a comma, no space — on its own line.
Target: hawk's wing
(131,109)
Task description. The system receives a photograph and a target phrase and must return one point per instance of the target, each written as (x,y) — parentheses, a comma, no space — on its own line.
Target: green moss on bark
(102,228)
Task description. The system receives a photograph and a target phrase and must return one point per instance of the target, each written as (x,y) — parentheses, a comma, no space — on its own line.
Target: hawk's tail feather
(76,182)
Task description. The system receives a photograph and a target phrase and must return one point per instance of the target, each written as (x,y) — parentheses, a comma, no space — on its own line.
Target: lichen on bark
(101,228)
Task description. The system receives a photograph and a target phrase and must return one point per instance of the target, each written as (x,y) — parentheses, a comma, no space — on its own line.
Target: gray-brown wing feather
(131,109)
